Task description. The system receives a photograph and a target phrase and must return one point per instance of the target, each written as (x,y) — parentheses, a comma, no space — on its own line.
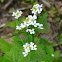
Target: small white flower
(34,16)
(52,55)
(37,9)
(33,47)
(25,23)
(25,54)
(22,25)
(14,14)
(31,31)
(26,45)
(30,22)
(31,43)
(30,17)
(18,27)
(27,30)
(35,24)
(27,49)
(40,26)
(17,14)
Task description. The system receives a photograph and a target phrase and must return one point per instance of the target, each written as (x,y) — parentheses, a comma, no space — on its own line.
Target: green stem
(33,37)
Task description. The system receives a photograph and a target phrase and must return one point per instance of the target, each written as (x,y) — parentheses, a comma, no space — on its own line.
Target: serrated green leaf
(48,58)
(42,40)
(43,20)
(57,54)
(33,56)
(13,55)
(49,49)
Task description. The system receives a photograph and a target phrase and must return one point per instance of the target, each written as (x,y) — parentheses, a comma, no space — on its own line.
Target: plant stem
(33,37)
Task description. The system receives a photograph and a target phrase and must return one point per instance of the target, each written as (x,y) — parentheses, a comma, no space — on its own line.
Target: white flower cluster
(37,9)
(30,20)
(31,31)
(17,14)
(28,47)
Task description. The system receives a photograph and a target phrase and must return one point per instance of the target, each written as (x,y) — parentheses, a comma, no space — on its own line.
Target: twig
(2,25)
(29,7)
(6,5)
(55,35)
(46,3)
(6,15)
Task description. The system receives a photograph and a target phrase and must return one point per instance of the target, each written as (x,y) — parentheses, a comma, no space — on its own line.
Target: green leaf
(58,19)
(14,55)
(21,19)
(17,22)
(11,24)
(43,20)
(2,1)
(17,41)
(60,39)
(4,45)
(42,40)
(53,10)
(49,49)
(58,60)
(48,58)
(33,56)
(57,54)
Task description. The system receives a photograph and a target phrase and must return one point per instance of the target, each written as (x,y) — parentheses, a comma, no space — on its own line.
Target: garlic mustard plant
(27,44)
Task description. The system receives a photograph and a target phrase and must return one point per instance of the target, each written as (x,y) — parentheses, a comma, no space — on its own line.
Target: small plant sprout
(52,55)
(28,47)
(31,31)
(17,14)
(37,9)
